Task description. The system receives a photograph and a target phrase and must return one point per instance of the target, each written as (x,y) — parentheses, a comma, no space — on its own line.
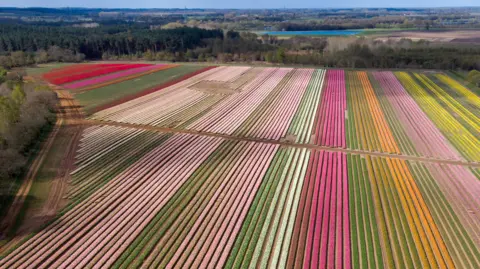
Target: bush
(474,77)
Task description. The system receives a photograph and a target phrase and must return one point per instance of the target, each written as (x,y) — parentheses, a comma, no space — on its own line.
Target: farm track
(90,122)
(68,112)
(71,112)
(24,189)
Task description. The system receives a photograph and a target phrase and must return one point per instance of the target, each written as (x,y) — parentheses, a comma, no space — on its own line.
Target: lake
(315,33)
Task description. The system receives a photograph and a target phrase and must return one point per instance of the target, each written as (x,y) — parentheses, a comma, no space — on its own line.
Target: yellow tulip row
(470,96)
(467,143)
(458,109)
(430,246)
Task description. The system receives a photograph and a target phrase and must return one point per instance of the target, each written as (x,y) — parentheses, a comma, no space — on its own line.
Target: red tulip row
(75,69)
(87,71)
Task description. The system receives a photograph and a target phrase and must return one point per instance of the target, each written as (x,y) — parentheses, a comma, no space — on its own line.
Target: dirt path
(282,143)
(67,121)
(71,113)
(17,204)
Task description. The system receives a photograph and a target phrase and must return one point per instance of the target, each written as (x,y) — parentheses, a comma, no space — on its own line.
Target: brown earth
(462,36)
(213,87)
(222,87)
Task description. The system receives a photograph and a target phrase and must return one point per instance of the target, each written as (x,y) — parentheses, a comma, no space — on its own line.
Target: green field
(91,99)
(44,68)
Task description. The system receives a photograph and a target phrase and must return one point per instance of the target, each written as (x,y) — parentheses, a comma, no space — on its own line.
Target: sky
(237,4)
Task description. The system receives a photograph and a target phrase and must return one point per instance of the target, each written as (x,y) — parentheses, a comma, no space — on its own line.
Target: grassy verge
(44,68)
(40,190)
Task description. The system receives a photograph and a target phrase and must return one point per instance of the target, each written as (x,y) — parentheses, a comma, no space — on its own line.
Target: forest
(22,45)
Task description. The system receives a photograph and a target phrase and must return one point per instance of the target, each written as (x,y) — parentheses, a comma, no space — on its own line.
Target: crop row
(367,126)
(384,88)
(321,235)
(229,114)
(147,199)
(207,244)
(75,69)
(200,222)
(101,81)
(272,117)
(274,104)
(266,233)
(113,95)
(67,76)
(476,172)
(96,231)
(330,117)
(392,226)
(359,110)
(462,190)
(416,133)
(437,106)
(103,153)
(168,107)
(460,93)
(458,226)
(451,104)
(304,120)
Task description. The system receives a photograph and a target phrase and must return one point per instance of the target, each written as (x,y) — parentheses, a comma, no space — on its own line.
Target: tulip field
(266,167)
(85,77)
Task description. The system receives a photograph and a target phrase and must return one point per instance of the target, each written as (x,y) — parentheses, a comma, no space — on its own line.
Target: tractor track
(282,143)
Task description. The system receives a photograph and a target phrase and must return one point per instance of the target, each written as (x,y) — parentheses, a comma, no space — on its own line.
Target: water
(316,33)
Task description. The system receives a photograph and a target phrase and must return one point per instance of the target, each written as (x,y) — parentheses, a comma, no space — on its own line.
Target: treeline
(53,54)
(338,52)
(25,47)
(26,111)
(94,42)
(364,53)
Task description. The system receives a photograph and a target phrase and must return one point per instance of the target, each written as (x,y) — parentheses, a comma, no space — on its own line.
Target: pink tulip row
(112,76)
(263,108)
(211,238)
(106,150)
(462,190)
(228,115)
(273,122)
(330,128)
(99,229)
(426,137)
(160,108)
(328,235)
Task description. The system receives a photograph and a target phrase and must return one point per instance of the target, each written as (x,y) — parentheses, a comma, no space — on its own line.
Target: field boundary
(282,143)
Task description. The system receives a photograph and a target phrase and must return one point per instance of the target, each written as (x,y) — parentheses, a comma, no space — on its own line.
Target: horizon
(237,8)
(248,4)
